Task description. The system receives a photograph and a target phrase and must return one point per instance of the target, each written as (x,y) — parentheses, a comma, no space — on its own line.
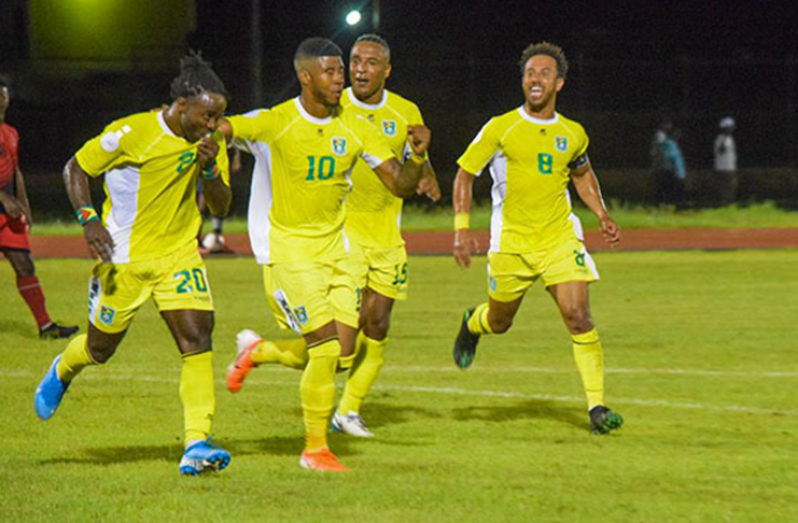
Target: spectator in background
(15,223)
(725,179)
(668,165)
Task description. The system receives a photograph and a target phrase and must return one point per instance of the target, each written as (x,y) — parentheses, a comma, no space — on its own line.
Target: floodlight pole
(256,53)
(375,15)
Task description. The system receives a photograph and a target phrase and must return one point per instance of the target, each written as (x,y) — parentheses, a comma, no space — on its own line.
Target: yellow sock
(590,362)
(347,362)
(74,359)
(289,353)
(317,390)
(478,322)
(363,375)
(197,394)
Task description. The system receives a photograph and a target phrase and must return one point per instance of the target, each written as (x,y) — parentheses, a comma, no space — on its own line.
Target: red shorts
(13,233)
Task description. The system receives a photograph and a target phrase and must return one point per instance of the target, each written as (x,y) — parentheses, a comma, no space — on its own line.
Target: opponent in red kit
(15,223)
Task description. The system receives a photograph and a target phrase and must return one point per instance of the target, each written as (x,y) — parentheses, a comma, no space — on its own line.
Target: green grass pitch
(700,359)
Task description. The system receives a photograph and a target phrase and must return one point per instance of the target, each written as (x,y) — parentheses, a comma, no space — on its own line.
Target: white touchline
(640,370)
(450,391)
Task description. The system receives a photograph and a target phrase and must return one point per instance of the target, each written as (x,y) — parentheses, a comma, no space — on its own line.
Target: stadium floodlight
(353,17)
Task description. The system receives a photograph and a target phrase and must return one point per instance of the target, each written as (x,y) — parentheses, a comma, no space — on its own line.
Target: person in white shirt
(725,162)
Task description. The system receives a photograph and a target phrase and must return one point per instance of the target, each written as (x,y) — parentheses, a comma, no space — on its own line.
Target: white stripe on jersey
(498,171)
(260,202)
(123,189)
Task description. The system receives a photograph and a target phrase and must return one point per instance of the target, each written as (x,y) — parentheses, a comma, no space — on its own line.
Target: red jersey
(9,145)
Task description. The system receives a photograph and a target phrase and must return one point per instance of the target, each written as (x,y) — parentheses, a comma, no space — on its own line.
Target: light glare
(353,17)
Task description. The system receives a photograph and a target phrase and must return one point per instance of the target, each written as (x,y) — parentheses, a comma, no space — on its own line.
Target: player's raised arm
(464,243)
(214,168)
(587,186)
(402,179)
(97,237)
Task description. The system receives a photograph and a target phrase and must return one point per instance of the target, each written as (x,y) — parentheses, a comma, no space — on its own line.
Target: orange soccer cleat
(237,372)
(322,460)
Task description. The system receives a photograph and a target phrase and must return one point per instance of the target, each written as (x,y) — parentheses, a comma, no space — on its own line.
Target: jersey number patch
(186,159)
(323,169)
(545,162)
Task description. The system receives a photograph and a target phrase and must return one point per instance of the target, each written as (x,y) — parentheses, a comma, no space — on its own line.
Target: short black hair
(196,76)
(3,81)
(315,47)
(377,39)
(548,49)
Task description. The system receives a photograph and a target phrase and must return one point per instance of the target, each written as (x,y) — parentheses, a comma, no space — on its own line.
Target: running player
(373,214)
(15,224)
(304,150)
(147,244)
(533,153)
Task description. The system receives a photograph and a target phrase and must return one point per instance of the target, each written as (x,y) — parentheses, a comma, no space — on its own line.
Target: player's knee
(577,319)
(101,353)
(194,342)
(500,324)
(377,328)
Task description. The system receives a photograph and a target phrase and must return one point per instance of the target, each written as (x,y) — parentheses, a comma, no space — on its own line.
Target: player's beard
(543,103)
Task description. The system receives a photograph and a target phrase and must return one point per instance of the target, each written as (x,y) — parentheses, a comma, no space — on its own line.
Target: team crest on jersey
(301,315)
(107,315)
(389,127)
(561,142)
(339,146)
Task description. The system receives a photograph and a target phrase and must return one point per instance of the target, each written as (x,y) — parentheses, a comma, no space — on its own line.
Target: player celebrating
(304,150)
(15,223)
(147,244)
(373,214)
(533,153)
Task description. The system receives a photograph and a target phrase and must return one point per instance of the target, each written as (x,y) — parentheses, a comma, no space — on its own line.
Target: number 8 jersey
(150,185)
(530,163)
(302,177)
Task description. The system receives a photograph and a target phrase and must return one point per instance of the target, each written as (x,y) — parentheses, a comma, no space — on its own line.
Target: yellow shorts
(308,296)
(175,282)
(381,270)
(510,275)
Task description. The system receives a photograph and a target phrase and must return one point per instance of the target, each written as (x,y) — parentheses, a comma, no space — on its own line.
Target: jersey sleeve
(222,158)
(250,127)
(106,151)
(376,149)
(580,158)
(481,150)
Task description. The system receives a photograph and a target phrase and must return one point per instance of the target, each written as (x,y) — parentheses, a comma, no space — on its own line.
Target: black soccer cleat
(603,420)
(55,331)
(465,345)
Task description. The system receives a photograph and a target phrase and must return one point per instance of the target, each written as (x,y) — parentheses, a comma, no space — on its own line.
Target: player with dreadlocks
(146,244)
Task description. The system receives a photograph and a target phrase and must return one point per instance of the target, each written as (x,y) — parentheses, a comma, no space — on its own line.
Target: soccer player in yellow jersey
(533,153)
(304,151)
(146,243)
(373,214)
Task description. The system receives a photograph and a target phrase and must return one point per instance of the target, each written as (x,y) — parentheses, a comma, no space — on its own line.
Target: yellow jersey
(373,213)
(530,163)
(150,184)
(302,177)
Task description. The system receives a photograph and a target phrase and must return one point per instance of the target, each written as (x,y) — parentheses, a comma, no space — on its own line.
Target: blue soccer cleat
(203,456)
(50,392)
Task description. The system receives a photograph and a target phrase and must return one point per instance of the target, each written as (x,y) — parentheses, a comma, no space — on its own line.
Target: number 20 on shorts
(184,281)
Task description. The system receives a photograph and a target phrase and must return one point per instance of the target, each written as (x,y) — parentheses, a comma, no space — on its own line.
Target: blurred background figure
(667,165)
(15,224)
(213,242)
(725,179)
